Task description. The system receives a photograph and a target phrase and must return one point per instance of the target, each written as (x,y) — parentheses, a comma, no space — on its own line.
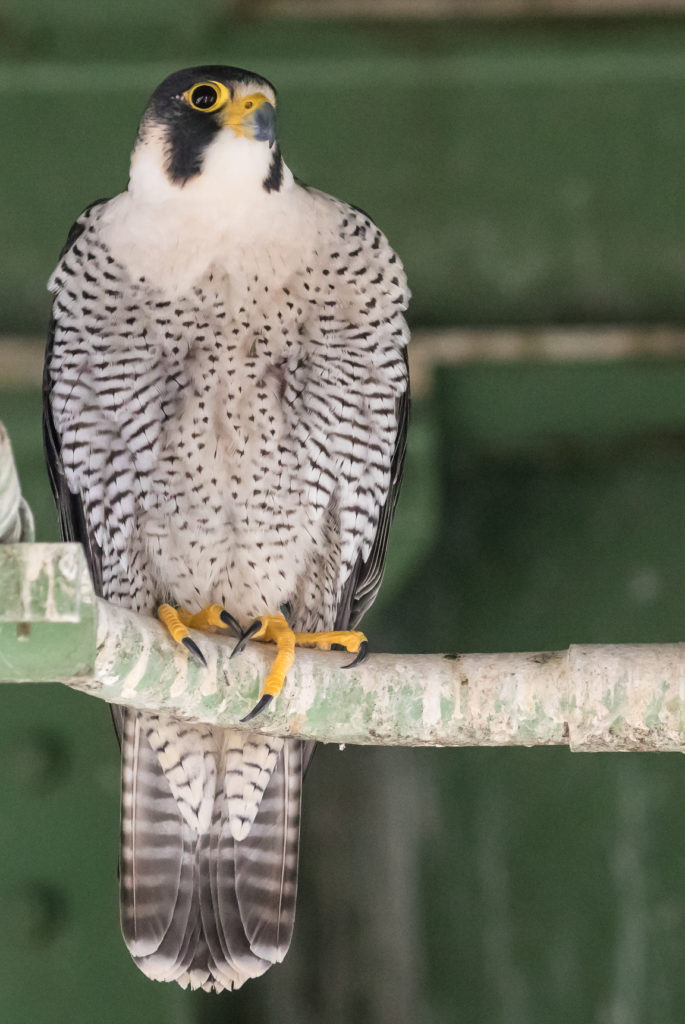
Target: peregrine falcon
(226,397)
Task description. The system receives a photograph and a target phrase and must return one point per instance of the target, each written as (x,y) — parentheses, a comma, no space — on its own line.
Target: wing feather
(157,869)
(266,860)
(73,523)
(362,586)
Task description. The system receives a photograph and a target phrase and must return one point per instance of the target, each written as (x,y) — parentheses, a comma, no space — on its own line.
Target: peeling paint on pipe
(591,698)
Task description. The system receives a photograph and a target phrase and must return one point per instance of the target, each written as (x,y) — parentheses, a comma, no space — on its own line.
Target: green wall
(528,173)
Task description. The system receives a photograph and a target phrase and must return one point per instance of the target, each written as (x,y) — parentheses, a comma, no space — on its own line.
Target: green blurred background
(530,173)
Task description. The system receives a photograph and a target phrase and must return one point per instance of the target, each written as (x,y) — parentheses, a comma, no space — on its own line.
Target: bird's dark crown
(165,97)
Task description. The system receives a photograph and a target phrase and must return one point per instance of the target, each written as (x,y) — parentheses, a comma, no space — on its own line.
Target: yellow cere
(237,113)
(251,102)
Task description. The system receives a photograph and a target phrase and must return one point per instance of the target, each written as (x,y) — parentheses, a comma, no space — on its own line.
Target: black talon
(247,635)
(229,621)
(361,654)
(258,708)
(191,646)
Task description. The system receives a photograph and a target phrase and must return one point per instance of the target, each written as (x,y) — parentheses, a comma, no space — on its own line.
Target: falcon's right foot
(178,621)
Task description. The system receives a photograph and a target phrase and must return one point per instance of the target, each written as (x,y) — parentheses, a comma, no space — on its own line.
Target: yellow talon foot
(337,640)
(170,618)
(270,629)
(211,617)
(178,621)
(275,629)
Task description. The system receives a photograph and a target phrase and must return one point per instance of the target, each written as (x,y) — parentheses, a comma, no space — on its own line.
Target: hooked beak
(251,117)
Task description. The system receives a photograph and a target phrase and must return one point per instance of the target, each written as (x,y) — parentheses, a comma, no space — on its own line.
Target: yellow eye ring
(206,97)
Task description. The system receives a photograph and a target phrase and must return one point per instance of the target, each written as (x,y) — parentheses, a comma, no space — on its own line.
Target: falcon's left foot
(275,629)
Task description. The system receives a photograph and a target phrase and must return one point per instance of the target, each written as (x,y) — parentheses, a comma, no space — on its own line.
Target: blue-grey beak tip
(265,123)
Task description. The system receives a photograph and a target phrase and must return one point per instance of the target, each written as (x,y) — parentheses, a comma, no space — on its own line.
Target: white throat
(171,234)
(228,163)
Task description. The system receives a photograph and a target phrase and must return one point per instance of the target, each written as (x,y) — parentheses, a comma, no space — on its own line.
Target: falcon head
(210,119)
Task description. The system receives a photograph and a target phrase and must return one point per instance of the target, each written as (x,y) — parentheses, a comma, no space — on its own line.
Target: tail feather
(266,871)
(199,906)
(250,762)
(232,959)
(156,852)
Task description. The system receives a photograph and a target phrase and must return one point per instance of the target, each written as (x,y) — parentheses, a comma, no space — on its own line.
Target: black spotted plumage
(226,402)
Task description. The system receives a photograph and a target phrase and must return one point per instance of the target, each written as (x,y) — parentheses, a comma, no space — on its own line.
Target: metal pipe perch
(53,628)
(601,697)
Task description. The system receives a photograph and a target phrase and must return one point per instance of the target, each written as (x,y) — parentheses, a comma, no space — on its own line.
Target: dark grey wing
(364,582)
(72,518)
(73,523)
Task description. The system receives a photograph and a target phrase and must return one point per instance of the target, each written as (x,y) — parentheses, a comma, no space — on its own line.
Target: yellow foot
(275,629)
(212,616)
(337,640)
(178,621)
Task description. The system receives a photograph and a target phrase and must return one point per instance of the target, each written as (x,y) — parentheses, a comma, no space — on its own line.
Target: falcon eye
(203,97)
(206,96)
